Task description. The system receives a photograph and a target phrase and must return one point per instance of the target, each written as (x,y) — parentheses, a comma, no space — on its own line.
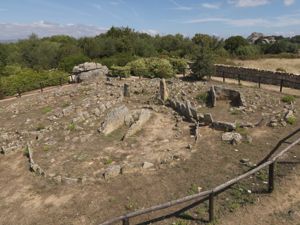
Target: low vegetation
(288,99)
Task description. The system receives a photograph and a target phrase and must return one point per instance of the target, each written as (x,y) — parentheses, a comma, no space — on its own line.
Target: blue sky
(89,17)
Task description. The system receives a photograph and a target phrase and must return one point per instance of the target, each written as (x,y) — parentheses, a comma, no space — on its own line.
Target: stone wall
(256,75)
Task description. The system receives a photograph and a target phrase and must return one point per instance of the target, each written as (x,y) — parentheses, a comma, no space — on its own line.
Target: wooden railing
(209,195)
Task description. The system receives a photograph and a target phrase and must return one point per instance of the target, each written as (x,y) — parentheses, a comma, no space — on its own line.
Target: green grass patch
(108,161)
(72,127)
(193,189)
(291,120)
(40,127)
(202,98)
(288,99)
(47,109)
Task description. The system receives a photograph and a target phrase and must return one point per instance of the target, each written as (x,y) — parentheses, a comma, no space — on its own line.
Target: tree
(3,57)
(203,64)
(207,41)
(235,42)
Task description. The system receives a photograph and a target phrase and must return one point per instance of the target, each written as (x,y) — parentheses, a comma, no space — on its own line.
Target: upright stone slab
(126,92)
(164,95)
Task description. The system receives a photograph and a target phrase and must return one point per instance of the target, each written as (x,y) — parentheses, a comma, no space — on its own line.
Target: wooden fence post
(259,81)
(223,78)
(19,92)
(239,79)
(125,221)
(41,86)
(211,208)
(281,85)
(271,178)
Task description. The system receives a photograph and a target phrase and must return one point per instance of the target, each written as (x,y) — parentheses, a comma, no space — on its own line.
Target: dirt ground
(290,65)
(61,127)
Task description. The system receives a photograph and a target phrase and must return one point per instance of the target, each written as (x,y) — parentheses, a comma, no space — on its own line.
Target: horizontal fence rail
(210,194)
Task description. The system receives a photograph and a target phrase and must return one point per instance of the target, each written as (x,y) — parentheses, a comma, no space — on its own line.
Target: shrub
(179,65)
(291,120)
(160,68)
(151,67)
(67,63)
(27,79)
(288,99)
(202,98)
(120,71)
(120,59)
(245,52)
(138,67)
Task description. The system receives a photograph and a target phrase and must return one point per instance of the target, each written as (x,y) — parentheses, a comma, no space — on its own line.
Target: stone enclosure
(103,128)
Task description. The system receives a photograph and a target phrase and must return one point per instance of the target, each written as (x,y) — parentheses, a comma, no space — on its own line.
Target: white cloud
(248,3)
(150,32)
(179,6)
(12,31)
(288,2)
(280,21)
(211,5)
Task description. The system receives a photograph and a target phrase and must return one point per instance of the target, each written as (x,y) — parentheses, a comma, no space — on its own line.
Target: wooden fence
(210,195)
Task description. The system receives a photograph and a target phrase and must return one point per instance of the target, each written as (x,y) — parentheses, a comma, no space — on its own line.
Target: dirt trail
(281,207)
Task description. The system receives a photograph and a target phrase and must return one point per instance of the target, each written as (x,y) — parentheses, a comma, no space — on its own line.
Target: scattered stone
(112,171)
(224,126)
(189,146)
(68,180)
(147,165)
(288,115)
(244,161)
(208,119)
(249,139)
(232,137)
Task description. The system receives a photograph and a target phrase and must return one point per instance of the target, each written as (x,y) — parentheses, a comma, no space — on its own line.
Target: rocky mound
(87,71)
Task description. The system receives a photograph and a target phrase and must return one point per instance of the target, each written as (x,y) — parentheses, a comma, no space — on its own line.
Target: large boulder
(88,71)
(114,120)
(144,116)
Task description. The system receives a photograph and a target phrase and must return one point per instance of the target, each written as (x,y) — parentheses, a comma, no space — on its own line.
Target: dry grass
(290,65)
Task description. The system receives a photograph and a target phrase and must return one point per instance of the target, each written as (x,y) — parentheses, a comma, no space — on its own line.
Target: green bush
(151,67)
(179,65)
(120,71)
(27,79)
(68,62)
(160,68)
(247,52)
(291,120)
(138,67)
(288,99)
(120,59)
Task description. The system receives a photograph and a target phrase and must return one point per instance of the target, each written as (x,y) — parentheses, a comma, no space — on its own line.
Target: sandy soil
(290,65)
